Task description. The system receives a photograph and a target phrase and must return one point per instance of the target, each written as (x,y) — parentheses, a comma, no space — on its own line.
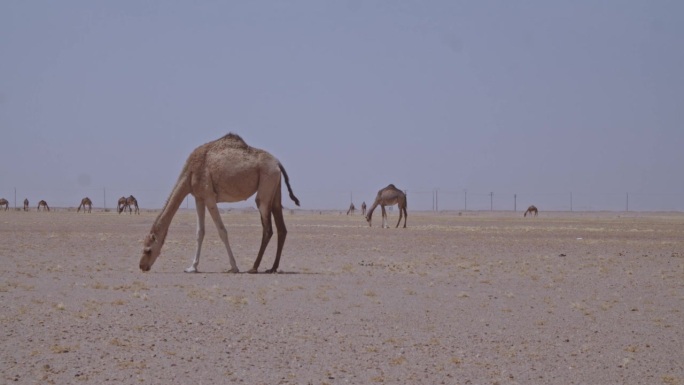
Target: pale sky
(536,98)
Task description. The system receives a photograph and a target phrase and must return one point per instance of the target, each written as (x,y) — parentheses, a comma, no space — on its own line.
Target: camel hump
(391,186)
(234,140)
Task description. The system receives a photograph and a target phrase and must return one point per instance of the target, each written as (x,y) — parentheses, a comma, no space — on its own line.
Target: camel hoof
(191,270)
(233,271)
(253,271)
(272,271)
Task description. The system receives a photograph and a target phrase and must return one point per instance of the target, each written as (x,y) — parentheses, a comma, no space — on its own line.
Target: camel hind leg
(268,201)
(402,212)
(280,227)
(267,231)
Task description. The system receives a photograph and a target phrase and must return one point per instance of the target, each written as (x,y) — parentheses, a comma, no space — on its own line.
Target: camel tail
(287,182)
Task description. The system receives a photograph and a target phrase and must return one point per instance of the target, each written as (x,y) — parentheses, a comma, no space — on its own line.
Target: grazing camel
(44,205)
(121,204)
(363,208)
(4,202)
(531,210)
(224,170)
(351,209)
(26,204)
(389,196)
(132,202)
(85,202)
(128,203)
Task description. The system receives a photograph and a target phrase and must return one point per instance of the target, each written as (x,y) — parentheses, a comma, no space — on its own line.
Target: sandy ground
(479,298)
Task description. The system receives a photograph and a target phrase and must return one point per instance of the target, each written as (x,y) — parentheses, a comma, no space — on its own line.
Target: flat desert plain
(477,298)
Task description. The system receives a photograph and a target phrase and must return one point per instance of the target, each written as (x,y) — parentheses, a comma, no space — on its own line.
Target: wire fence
(418,199)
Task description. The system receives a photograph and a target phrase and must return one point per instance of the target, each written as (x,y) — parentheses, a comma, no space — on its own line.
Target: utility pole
(437,200)
(15,198)
(465,200)
(570,201)
(491,201)
(104,198)
(515,202)
(627,201)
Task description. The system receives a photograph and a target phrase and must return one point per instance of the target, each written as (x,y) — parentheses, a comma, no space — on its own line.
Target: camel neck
(163,221)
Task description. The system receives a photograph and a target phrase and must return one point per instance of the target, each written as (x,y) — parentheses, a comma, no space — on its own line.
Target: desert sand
(476,298)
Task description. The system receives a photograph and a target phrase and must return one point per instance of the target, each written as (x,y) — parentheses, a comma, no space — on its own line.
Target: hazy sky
(535,98)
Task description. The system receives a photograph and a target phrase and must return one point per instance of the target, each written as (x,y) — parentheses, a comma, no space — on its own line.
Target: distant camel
(132,202)
(363,208)
(531,210)
(44,205)
(26,204)
(389,196)
(85,202)
(4,202)
(121,204)
(224,170)
(128,203)
(351,209)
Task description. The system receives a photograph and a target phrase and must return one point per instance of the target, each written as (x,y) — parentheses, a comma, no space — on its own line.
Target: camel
(132,202)
(224,170)
(389,196)
(4,202)
(121,204)
(363,208)
(44,205)
(531,210)
(85,202)
(128,203)
(26,204)
(351,209)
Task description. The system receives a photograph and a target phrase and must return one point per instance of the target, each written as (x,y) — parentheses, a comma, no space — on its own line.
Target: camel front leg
(384,218)
(223,234)
(199,205)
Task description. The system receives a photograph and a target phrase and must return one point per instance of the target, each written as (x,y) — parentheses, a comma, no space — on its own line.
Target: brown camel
(121,204)
(85,202)
(224,170)
(363,208)
(531,210)
(44,205)
(128,203)
(132,202)
(26,204)
(4,202)
(389,196)
(351,209)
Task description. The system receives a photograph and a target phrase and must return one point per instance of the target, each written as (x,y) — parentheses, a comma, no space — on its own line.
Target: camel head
(369,219)
(151,250)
